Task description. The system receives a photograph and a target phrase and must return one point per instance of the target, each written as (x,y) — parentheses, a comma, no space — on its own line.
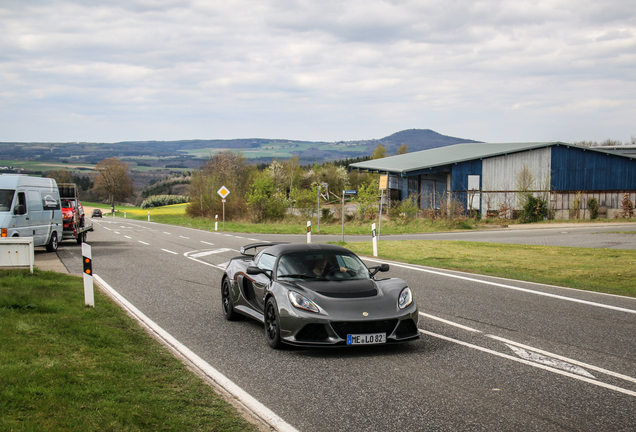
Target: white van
(30,207)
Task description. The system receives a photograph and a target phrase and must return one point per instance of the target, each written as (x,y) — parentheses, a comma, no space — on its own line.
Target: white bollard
(216,222)
(89,295)
(148,216)
(125,215)
(308,231)
(375,240)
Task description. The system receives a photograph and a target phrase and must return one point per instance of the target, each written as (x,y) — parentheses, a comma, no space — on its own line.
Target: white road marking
(533,364)
(569,360)
(143,242)
(116,232)
(207,243)
(206,253)
(220,380)
(251,239)
(511,287)
(184,237)
(127,236)
(167,233)
(219,266)
(559,364)
(169,251)
(228,235)
(449,322)
(239,237)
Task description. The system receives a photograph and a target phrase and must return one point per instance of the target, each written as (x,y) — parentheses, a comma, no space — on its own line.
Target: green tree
(403,149)
(367,200)
(379,152)
(264,201)
(112,182)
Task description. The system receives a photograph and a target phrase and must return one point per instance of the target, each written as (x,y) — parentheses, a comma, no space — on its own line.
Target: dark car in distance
(96,213)
(317,295)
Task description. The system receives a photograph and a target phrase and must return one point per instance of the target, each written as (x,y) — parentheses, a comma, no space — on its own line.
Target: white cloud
(175,69)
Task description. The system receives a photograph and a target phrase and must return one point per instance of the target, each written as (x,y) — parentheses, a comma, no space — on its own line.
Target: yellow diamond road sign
(223,191)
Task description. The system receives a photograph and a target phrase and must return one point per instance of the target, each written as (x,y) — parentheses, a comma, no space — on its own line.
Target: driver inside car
(321,268)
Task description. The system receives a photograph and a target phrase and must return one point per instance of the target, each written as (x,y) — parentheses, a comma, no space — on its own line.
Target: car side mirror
(381,268)
(20,209)
(253,270)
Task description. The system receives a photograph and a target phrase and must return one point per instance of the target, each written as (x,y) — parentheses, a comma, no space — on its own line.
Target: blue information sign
(351,192)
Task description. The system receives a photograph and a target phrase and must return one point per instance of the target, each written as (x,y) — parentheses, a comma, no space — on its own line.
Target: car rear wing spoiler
(255,246)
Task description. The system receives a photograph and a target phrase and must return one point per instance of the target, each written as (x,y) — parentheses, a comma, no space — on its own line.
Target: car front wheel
(272,324)
(226,301)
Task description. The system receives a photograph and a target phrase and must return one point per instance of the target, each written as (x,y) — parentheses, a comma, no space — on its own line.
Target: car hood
(356,288)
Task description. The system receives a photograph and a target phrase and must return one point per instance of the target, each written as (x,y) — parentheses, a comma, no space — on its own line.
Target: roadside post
(375,240)
(223,192)
(318,207)
(308,231)
(148,215)
(216,222)
(125,215)
(89,295)
(384,184)
(345,192)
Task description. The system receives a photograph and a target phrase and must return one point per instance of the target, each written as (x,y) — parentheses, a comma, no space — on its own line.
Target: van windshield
(6,196)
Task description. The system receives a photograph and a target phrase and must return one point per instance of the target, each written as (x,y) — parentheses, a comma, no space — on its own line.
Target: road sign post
(308,231)
(223,192)
(384,184)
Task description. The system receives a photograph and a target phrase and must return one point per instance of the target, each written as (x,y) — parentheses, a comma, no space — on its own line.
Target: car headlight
(302,302)
(406,298)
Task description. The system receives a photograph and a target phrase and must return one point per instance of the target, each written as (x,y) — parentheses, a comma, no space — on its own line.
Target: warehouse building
(490,177)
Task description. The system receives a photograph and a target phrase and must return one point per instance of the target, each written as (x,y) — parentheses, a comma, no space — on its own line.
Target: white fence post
(308,231)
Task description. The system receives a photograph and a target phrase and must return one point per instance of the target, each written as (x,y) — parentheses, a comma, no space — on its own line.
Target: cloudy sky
(490,70)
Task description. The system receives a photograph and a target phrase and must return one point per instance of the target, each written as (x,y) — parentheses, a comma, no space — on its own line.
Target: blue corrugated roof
(452,154)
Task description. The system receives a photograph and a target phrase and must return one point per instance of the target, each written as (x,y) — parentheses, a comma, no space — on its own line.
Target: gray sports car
(317,295)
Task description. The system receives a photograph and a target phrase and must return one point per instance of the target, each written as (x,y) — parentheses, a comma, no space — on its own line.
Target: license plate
(366,339)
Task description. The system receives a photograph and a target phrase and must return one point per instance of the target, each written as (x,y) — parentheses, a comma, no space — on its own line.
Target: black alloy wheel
(272,324)
(226,301)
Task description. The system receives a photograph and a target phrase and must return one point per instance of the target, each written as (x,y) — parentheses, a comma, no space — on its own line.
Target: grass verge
(64,366)
(610,271)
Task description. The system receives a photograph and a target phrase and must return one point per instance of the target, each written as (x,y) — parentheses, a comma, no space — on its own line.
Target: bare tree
(61,176)
(113,183)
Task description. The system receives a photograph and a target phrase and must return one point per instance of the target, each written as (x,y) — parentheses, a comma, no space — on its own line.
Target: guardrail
(17,252)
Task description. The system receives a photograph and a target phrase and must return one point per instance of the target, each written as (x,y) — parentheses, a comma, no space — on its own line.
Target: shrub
(535,209)
(592,205)
(163,200)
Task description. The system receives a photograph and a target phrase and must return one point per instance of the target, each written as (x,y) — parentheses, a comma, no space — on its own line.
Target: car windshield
(6,196)
(324,266)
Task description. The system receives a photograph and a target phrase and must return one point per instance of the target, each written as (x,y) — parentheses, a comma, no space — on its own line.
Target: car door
(262,282)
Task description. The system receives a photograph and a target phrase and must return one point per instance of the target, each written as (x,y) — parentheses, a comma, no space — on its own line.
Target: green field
(283,150)
(67,367)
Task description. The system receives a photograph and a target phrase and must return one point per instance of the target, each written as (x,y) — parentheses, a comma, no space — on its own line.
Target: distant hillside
(419,139)
(188,154)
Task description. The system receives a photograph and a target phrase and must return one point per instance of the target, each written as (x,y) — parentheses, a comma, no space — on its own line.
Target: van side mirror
(20,209)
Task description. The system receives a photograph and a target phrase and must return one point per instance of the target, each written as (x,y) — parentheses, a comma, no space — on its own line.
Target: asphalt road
(494,354)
